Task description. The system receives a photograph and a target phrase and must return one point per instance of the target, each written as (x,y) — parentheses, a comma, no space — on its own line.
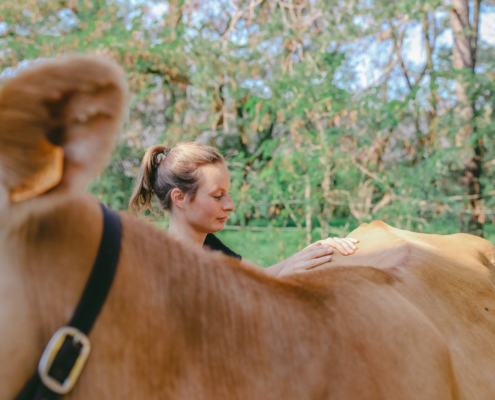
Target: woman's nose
(229,205)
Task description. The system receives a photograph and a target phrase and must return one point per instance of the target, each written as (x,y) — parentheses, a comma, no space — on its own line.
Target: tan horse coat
(410,316)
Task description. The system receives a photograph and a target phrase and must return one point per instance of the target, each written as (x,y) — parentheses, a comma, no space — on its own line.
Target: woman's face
(208,211)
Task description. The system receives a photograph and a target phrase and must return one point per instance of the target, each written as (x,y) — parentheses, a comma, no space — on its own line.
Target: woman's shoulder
(215,243)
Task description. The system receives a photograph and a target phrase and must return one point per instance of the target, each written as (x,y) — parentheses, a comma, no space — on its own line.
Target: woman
(192,182)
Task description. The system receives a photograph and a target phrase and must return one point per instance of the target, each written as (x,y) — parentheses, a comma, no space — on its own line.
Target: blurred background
(330,113)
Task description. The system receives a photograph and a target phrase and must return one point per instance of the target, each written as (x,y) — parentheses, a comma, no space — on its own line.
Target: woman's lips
(224,219)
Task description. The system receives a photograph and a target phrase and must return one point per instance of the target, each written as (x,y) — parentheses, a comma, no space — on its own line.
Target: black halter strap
(86,312)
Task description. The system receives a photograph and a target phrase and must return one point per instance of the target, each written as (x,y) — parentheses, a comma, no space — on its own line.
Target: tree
(275,84)
(464,62)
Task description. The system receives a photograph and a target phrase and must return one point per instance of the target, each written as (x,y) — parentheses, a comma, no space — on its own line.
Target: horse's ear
(58,120)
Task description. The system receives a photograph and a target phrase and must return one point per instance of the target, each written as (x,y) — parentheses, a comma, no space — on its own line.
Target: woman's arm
(274,270)
(315,254)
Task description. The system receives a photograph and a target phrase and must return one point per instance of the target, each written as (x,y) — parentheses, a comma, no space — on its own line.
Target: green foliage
(275,89)
(114,186)
(263,248)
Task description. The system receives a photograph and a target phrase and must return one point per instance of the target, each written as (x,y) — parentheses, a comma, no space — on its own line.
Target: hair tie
(160,157)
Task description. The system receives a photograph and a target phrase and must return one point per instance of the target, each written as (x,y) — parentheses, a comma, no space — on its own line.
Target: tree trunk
(463,61)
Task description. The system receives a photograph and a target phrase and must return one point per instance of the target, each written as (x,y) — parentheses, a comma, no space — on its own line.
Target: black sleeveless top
(214,243)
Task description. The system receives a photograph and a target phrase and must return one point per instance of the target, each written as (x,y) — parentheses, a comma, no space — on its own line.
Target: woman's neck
(181,230)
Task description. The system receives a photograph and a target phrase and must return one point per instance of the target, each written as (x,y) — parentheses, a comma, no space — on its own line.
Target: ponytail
(144,189)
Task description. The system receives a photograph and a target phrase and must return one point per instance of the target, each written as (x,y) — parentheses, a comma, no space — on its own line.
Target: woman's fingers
(316,250)
(315,262)
(352,242)
(319,251)
(316,256)
(313,245)
(348,242)
(319,256)
(349,246)
(321,260)
(307,259)
(313,253)
(344,246)
(335,243)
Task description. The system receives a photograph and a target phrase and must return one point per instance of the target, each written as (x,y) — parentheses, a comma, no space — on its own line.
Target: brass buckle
(50,353)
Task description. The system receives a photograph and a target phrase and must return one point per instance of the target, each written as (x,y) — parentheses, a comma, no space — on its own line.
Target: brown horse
(410,316)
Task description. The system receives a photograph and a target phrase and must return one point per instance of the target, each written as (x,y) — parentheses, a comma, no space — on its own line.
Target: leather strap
(87,310)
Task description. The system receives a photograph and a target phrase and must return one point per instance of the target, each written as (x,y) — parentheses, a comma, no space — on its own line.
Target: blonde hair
(178,169)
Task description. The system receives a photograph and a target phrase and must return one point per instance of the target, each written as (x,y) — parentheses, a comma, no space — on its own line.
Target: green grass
(489,232)
(263,248)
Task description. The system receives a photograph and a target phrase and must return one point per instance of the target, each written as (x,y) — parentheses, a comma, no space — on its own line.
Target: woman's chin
(214,226)
(219,225)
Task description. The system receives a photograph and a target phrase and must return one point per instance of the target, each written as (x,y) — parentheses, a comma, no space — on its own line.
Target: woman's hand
(312,256)
(346,246)
(316,254)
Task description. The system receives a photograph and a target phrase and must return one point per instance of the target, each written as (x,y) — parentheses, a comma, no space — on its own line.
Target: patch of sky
(267,92)
(363,21)
(257,87)
(22,30)
(4,28)
(446,89)
(487,23)
(191,32)
(67,19)
(341,79)
(64,21)
(209,34)
(130,16)
(130,9)
(332,46)
(361,5)
(215,7)
(239,36)
(159,9)
(240,52)
(271,42)
(479,69)
(414,53)
(153,13)
(272,46)
(366,57)
(207,11)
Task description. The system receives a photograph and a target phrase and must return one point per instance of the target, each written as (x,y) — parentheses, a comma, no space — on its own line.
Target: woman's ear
(178,198)
(58,120)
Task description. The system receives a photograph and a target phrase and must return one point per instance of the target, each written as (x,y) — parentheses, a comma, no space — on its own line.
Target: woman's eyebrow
(217,189)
